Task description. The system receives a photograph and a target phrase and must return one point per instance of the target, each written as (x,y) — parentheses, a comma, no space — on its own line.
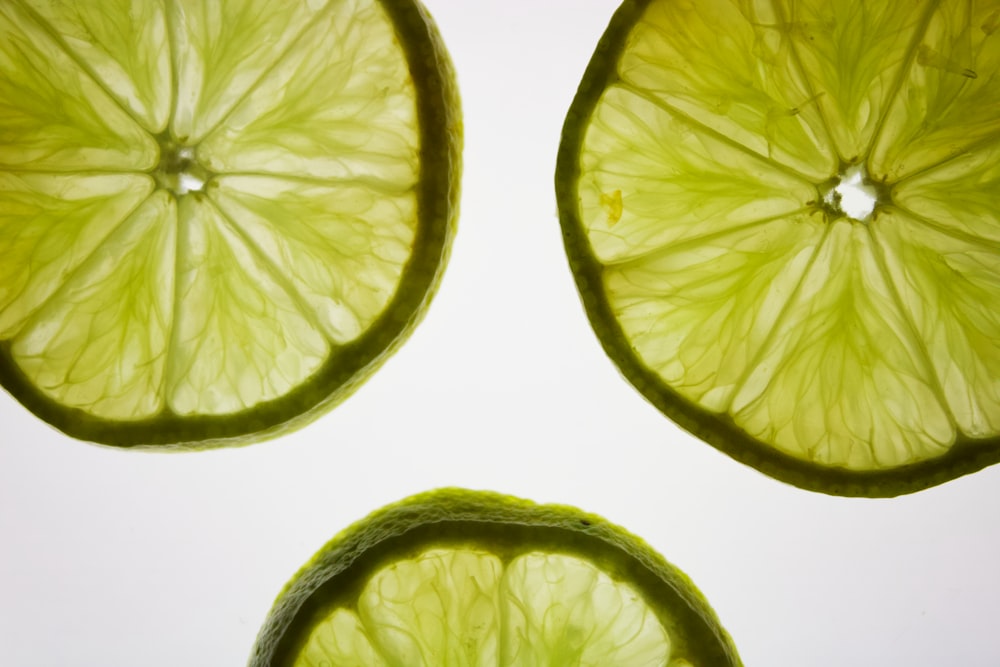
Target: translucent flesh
(344,265)
(851,54)
(233,346)
(222,49)
(128,300)
(692,55)
(465,608)
(842,380)
(948,98)
(50,224)
(959,196)
(861,344)
(949,288)
(701,317)
(123,44)
(707,184)
(53,115)
(114,314)
(321,114)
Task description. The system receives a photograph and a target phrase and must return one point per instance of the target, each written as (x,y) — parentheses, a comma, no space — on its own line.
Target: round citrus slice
(216,218)
(783,220)
(455,577)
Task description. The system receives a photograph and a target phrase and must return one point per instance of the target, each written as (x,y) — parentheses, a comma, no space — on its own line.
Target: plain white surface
(124,559)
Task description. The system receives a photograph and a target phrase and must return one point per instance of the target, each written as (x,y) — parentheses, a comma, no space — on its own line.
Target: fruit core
(178,170)
(852,195)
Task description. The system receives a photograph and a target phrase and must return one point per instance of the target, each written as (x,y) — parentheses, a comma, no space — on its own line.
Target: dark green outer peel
(350,365)
(506,527)
(965,456)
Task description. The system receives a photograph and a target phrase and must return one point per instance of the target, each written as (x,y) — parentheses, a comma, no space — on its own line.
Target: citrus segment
(697,314)
(852,54)
(460,607)
(123,44)
(49,225)
(949,288)
(222,49)
(666,163)
(440,607)
(949,96)
(958,196)
(217,226)
(114,312)
(241,336)
(343,248)
(763,104)
(819,301)
(559,605)
(53,115)
(324,109)
(456,577)
(817,390)
(340,639)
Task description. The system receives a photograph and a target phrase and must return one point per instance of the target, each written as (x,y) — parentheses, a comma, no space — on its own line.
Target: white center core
(856,198)
(187,183)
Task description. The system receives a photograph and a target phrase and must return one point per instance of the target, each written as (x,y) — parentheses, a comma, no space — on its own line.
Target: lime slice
(216,219)
(783,221)
(455,577)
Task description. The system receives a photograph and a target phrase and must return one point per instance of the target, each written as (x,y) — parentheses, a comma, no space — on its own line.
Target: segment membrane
(124,43)
(950,288)
(100,344)
(651,179)
(53,115)
(240,335)
(693,56)
(843,382)
(325,110)
(698,314)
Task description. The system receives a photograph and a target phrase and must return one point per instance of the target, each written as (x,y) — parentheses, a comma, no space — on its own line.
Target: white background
(115,558)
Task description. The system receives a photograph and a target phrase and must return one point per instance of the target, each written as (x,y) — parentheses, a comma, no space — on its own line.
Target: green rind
(506,527)
(439,113)
(966,455)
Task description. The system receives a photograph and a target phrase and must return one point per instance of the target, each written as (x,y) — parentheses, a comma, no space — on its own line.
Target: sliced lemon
(783,221)
(455,577)
(216,219)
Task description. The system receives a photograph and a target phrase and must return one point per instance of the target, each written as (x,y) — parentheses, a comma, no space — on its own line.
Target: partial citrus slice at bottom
(216,219)
(783,220)
(455,577)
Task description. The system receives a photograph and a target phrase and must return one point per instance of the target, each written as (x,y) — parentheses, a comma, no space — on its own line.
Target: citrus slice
(455,577)
(783,221)
(216,219)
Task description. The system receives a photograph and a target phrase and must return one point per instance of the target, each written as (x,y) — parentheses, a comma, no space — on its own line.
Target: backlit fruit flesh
(783,220)
(216,218)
